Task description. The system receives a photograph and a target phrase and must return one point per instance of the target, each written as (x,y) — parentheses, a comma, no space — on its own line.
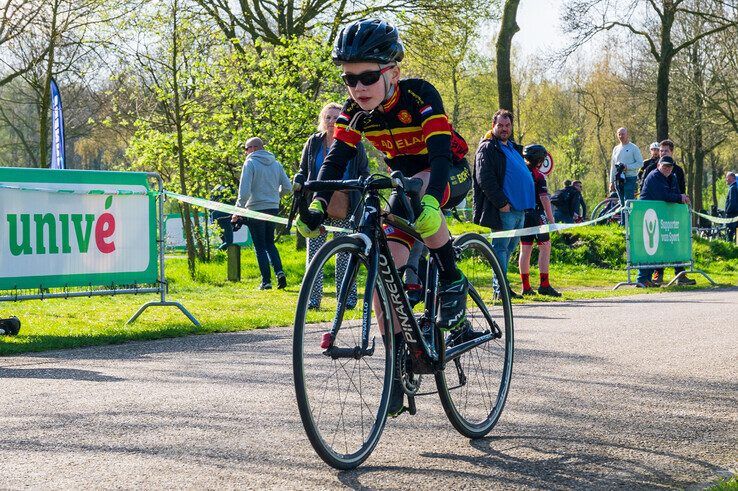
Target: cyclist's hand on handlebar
(309,224)
(429,220)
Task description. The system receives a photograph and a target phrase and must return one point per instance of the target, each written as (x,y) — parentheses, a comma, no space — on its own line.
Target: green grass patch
(725,484)
(587,263)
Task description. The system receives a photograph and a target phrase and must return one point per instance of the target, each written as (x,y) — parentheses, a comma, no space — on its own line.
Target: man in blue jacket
(731,203)
(503,186)
(660,186)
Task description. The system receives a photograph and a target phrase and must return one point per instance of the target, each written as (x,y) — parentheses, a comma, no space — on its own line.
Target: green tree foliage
(274,93)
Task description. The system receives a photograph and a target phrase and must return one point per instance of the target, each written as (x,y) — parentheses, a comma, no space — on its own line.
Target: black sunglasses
(368,78)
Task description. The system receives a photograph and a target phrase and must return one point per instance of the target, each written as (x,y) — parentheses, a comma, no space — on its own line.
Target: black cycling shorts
(458,187)
(535,219)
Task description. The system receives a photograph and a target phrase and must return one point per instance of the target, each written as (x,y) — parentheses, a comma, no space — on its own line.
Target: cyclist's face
(655,152)
(372,95)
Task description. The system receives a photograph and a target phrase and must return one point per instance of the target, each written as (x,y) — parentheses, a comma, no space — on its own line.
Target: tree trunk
(664,60)
(508,28)
(43,120)
(699,148)
(187,216)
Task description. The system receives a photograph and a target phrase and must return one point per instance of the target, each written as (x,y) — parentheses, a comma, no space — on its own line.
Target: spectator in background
(222,194)
(542,215)
(342,204)
(660,186)
(653,160)
(567,202)
(263,180)
(731,203)
(503,186)
(627,154)
(666,149)
(580,207)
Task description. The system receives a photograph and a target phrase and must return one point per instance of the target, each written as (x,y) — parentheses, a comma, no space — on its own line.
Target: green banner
(63,228)
(659,233)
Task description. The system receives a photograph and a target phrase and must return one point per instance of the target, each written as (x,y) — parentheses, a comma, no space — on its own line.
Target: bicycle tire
(318,378)
(485,364)
(597,210)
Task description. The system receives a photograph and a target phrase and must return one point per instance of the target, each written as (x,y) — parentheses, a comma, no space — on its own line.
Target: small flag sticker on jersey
(426,110)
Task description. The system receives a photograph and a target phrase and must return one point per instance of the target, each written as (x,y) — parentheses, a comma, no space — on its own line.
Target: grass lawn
(223,306)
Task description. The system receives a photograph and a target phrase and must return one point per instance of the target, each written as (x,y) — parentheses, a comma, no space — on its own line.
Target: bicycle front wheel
(473,388)
(342,400)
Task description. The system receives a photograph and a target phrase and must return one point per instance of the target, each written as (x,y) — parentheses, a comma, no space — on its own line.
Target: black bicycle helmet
(368,40)
(535,154)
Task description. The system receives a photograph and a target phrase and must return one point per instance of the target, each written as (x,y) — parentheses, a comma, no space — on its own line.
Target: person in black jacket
(649,163)
(731,203)
(344,206)
(666,149)
(503,186)
(660,186)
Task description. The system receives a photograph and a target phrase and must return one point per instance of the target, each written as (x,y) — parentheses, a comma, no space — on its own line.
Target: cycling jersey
(413,133)
(541,188)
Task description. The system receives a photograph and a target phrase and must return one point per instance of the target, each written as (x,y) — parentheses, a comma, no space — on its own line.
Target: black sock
(446,262)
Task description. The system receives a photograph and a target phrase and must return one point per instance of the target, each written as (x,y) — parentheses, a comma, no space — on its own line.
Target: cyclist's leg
(526,248)
(453,286)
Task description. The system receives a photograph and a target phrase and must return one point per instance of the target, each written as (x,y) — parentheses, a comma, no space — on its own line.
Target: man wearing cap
(627,154)
(660,185)
(263,180)
(652,161)
(666,149)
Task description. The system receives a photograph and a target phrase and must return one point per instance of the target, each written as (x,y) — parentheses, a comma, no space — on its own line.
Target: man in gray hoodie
(263,180)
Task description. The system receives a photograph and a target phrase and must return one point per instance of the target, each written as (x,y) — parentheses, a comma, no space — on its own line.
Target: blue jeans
(226,228)
(629,188)
(504,247)
(562,217)
(262,233)
(644,275)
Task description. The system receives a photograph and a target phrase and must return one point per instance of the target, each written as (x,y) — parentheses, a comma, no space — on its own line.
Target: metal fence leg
(164,304)
(162,277)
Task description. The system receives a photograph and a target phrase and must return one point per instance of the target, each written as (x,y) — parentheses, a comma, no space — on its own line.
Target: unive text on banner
(76,239)
(659,232)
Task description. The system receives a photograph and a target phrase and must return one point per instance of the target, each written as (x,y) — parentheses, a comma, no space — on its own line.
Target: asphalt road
(635,392)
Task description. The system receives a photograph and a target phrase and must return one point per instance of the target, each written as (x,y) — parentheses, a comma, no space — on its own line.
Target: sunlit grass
(223,306)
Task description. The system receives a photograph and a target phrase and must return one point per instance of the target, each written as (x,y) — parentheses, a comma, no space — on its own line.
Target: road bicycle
(343,369)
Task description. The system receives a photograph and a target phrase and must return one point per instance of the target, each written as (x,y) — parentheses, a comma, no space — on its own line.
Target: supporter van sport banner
(76,228)
(659,232)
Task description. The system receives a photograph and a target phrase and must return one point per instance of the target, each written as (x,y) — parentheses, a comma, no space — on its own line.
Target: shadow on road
(57,374)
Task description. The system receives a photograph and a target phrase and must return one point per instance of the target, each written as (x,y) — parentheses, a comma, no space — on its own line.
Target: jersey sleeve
(345,131)
(541,185)
(437,136)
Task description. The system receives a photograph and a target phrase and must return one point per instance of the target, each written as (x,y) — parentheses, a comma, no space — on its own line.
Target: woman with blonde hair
(342,205)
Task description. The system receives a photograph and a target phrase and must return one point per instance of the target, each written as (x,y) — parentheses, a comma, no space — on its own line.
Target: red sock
(544,280)
(526,280)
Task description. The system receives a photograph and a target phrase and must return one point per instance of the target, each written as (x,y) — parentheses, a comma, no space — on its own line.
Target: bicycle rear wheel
(473,388)
(342,401)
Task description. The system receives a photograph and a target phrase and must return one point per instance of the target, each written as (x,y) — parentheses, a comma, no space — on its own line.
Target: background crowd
(509,193)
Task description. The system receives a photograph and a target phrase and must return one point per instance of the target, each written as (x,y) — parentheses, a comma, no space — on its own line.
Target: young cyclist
(405,120)
(543,214)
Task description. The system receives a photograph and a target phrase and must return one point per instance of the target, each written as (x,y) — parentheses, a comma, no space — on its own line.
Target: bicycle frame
(427,358)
